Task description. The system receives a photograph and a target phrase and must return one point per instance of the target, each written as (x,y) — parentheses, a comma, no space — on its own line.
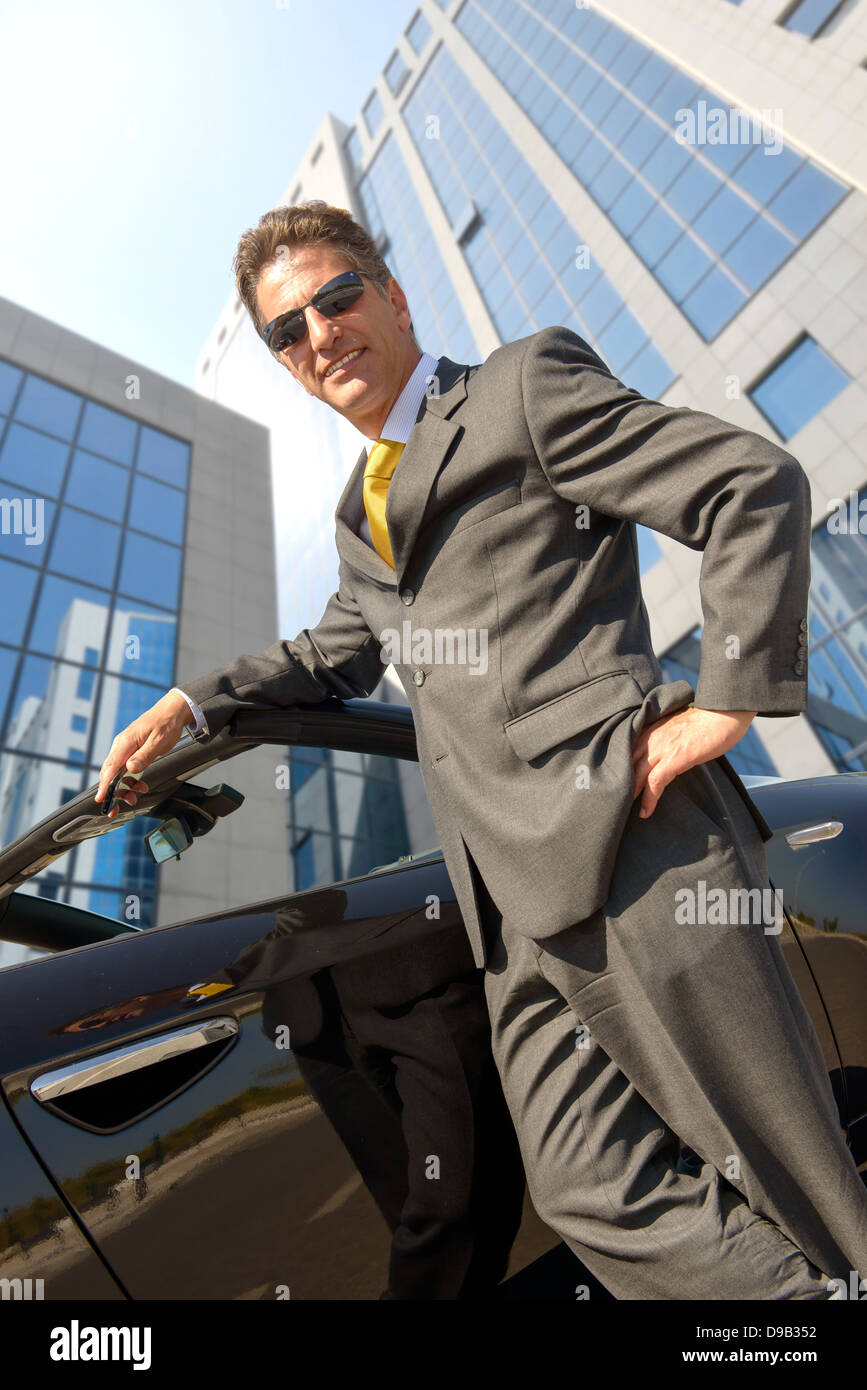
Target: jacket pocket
(580,708)
(483,507)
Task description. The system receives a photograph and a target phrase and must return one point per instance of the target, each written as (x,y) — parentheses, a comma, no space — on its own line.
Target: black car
(296,1097)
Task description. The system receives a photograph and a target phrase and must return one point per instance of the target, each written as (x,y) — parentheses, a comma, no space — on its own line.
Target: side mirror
(169,840)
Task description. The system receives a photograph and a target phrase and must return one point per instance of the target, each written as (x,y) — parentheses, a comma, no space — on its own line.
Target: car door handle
(121,1061)
(812,834)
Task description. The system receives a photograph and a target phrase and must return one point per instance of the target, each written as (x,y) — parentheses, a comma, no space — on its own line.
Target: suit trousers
(637,1029)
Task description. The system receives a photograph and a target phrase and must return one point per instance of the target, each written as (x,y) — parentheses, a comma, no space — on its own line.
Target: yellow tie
(381,463)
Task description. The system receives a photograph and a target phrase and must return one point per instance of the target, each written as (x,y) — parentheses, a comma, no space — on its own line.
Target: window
(78,724)
(49,407)
(418,32)
(681,662)
(373,113)
(352,145)
(799,387)
(810,17)
(396,73)
(84,690)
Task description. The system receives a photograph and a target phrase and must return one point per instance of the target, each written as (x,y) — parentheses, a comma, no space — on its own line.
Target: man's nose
(321,328)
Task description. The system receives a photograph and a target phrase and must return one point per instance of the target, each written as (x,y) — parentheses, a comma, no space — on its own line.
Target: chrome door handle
(120,1061)
(812,834)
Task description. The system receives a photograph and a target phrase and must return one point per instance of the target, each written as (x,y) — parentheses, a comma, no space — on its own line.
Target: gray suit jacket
(512,511)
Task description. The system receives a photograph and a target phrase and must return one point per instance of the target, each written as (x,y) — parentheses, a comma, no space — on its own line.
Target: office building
(136,549)
(683,185)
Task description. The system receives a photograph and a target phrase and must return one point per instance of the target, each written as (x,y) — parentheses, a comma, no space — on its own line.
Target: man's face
(365,389)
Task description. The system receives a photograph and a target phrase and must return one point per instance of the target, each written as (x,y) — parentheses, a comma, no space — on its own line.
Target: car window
(311,816)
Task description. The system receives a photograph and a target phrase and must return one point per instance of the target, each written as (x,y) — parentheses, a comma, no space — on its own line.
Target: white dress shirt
(398,427)
(401,419)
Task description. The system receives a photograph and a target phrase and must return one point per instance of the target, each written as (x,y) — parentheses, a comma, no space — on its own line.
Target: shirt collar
(402,415)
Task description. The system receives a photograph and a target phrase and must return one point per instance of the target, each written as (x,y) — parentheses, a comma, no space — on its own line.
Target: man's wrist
(198,728)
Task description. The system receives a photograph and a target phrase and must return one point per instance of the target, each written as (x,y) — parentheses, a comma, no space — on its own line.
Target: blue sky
(141,140)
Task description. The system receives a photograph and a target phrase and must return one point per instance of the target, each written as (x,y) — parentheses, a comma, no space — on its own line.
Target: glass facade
(681,662)
(391,209)
(93,508)
(524,255)
(396,73)
(374,115)
(347,815)
(419,32)
(811,16)
(798,387)
(711,203)
(837,704)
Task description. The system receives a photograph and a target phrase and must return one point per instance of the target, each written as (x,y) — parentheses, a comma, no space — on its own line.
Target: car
(296,1097)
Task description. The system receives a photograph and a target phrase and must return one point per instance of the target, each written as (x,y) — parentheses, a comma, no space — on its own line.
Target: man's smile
(342,362)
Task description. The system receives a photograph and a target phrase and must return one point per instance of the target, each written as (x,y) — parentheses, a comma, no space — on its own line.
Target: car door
(822,873)
(255,1104)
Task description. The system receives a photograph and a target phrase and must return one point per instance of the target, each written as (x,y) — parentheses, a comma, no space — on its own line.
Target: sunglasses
(338,294)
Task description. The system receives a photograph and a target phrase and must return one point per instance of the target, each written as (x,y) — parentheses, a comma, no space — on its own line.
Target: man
(578,796)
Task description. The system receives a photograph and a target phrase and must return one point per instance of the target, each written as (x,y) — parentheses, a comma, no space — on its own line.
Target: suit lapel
(410,486)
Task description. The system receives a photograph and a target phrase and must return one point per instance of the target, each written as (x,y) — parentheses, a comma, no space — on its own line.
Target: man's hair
(304,224)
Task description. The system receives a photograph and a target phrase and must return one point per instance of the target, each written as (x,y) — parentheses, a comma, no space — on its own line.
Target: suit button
(418,677)
(407,595)
(802,652)
(800,667)
(803,624)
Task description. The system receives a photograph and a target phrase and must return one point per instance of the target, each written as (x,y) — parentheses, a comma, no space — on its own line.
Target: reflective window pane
(649,373)
(373,113)
(97,486)
(757,253)
(682,268)
(105,431)
(714,303)
(621,340)
(70,620)
(418,32)
(157,509)
(49,407)
(33,461)
(9,379)
(85,547)
(797,389)
(17,586)
(163,457)
(723,220)
(150,570)
(142,642)
(26,527)
(655,235)
(765,169)
(692,189)
(809,195)
(46,694)
(809,17)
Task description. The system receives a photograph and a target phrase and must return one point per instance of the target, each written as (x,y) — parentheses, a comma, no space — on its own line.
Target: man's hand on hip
(680,741)
(146,738)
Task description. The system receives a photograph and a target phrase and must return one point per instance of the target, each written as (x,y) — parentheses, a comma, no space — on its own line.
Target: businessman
(580,798)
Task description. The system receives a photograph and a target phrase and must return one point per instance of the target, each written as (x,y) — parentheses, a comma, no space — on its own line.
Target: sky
(139,141)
